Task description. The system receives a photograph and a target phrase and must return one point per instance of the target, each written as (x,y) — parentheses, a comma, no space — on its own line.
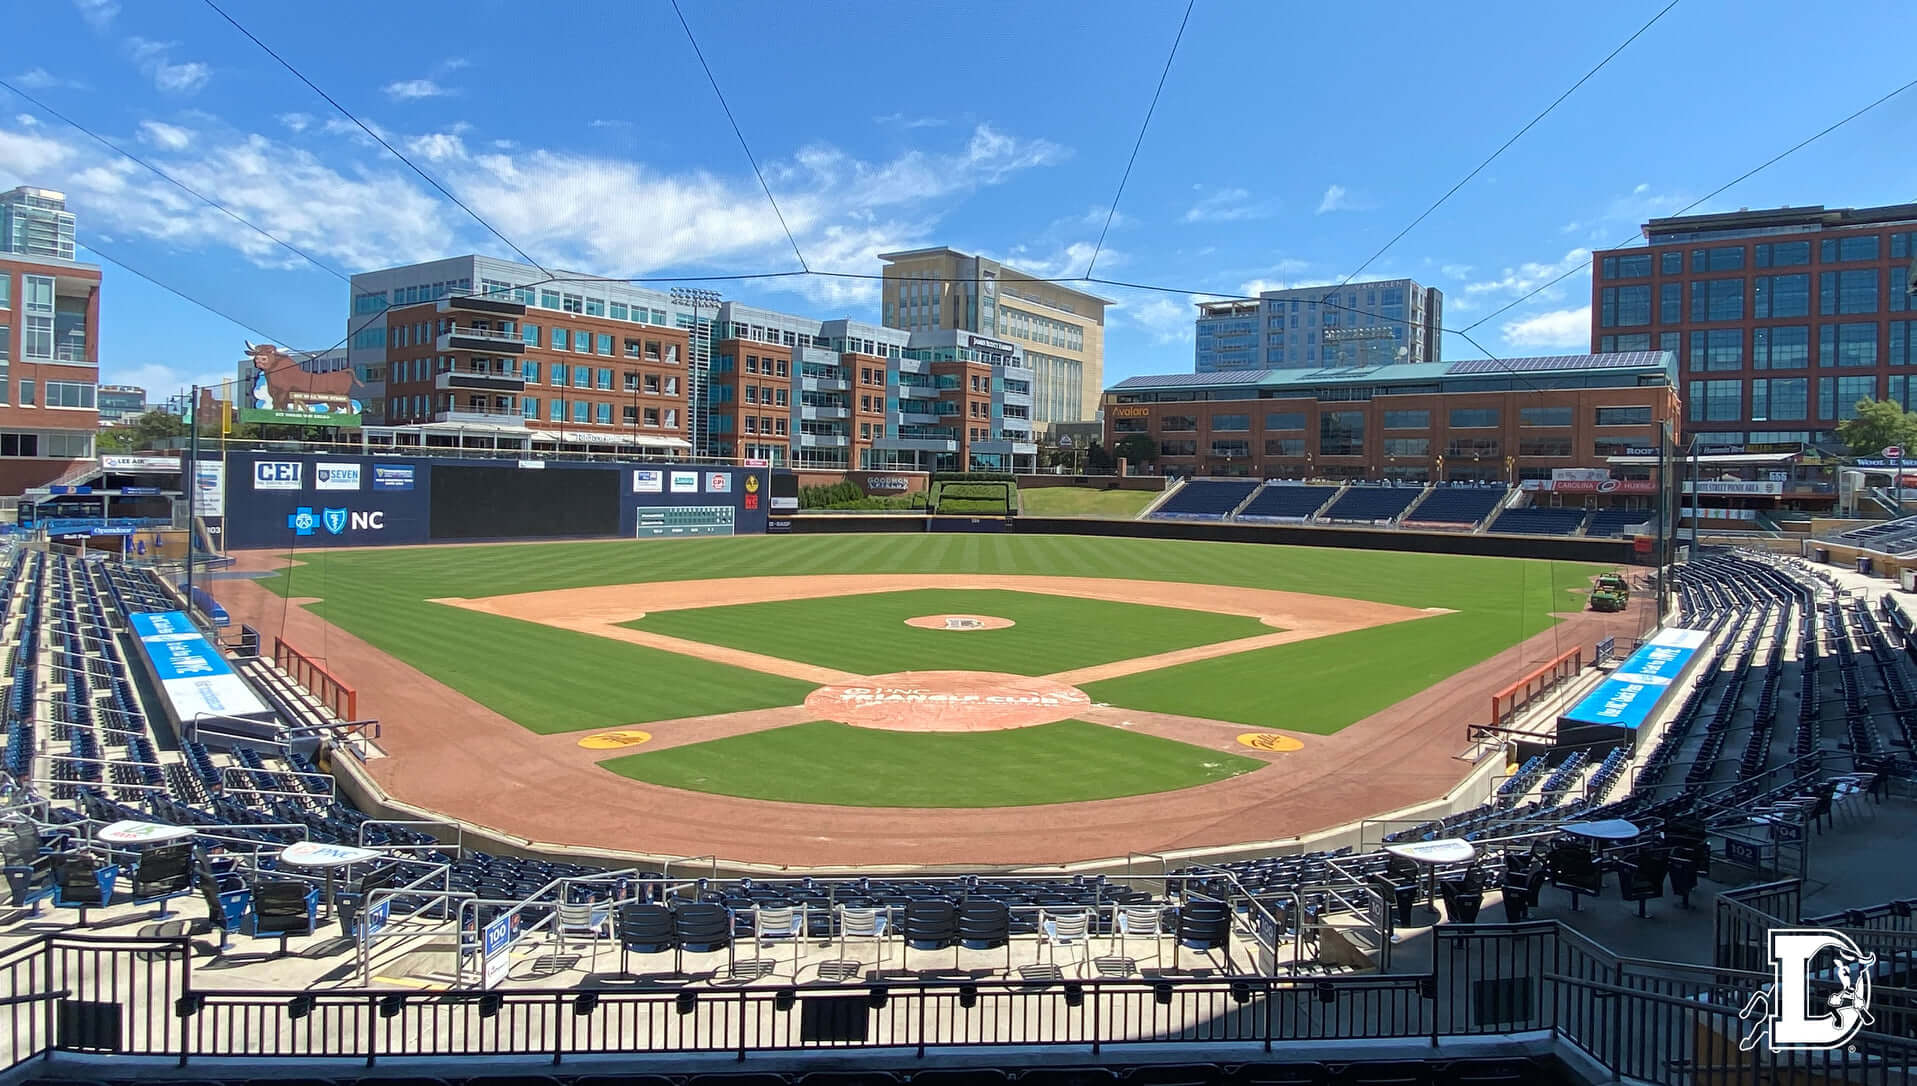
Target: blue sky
(1291,142)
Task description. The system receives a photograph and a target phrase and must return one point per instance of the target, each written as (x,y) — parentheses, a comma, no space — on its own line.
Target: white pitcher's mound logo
(959,622)
(948,701)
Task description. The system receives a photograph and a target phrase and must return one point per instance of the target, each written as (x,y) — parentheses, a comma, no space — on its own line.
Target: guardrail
(342,699)
(1509,701)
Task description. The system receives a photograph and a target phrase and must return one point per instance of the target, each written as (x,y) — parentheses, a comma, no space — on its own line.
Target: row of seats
(1447,506)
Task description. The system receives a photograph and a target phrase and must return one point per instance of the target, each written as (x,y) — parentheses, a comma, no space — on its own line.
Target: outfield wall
(1611,551)
(302,499)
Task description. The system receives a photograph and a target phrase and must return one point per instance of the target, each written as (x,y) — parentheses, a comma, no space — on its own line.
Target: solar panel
(1618,360)
(1192,380)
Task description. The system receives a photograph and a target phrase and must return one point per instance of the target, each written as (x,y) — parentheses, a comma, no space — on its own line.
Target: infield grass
(867,635)
(824,762)
(555,680)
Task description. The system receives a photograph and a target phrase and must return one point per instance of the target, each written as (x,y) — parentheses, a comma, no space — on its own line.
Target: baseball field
(934,671)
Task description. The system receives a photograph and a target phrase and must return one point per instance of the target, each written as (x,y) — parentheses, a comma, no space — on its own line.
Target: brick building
(49,368)
(1781,319)
(1481,420)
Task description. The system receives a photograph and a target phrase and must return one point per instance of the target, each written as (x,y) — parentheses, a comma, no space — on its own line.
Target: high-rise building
(1782,319)
(36,223)
(1060,331)
(121,403)
(1323,327)
(49,368)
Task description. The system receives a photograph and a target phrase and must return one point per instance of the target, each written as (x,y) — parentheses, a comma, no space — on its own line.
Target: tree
(1098,461)
(145,432)
(1878,423)
(1138,448)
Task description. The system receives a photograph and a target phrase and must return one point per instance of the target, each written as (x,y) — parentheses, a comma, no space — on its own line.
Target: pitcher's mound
(959,622)
(948,701)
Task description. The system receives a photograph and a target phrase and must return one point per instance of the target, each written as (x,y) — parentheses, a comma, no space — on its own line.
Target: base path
(453,755)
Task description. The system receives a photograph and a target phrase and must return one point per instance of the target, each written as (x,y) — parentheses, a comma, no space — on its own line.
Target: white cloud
(155,59)
(26,120)
(439,146)
(1225,205)
(1167,319)
(603,122)
(1336,198)
(1558,329)
(98,12)
(1456,271)
(407,90)
(41,79)
(903,121)
(297,122)
(171,137)
(1530,275)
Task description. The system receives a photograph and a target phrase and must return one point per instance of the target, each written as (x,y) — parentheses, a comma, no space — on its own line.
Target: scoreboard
(665,521)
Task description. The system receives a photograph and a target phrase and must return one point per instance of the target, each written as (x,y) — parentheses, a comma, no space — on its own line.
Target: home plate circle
(959,622)
(947,701)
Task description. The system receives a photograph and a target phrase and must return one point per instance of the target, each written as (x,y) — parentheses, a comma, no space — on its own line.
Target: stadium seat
(591,919)
(702,928)
(1278,501)
(1371,504)
(1202,925)
(1066,928)
(928,924)
(1206,499)
(283,909)
(161,873)
(642,928)
(81,881)
(1538,521)
(778,922)
(1641,879)
(985,925)
(1573,868)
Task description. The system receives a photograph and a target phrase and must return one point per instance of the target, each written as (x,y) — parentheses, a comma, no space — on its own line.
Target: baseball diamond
(802,700)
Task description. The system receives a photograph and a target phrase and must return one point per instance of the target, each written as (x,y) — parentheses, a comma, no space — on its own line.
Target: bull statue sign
(280,392)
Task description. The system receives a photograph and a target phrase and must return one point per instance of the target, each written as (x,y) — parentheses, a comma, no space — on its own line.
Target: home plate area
(948,701)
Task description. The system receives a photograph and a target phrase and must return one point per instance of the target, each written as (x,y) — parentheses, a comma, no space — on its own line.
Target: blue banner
(1630,694)
(192,674)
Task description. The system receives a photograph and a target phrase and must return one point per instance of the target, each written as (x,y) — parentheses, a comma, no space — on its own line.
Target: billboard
(393,476)
(1631,693)
(330,476)
(209,488)
(648,481)
(284,402)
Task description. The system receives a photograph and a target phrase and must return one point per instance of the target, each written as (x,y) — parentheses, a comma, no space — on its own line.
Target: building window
(1846,345)
(1285,420)
(1274,446)
(1783,254)
(1627,266)
(602,413)
(1780,399)
(1726,258)
(1544,446)
(1630,341)
(1623,416)
(26,393)
(1717,300)
(1716,401)
(1719,349)
(580,411)
(1407,446)
(1474,448)
(559,373)
(1177,423)
(1624,306)
(1837,397)
(1781,296)
(1187,447)
(560,339)
(1236,448)
(1670,303)
(1341,433)
(1783,348)
(36,331)
(1847,292)
(556,410)
(1544,416)
(1843,250)
(1407,420)
(529,406)
(602,380)
(1471,417)
(582,377)
(1671,262)
(1222,422)
(1903,344)
(70,394)
(604,344)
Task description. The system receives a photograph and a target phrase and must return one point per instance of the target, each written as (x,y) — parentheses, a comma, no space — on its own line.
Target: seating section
(1206,499)
(1889,537)
(1461,506)
(1277,501)
(1371,504)
(1613,522)
(1538,521)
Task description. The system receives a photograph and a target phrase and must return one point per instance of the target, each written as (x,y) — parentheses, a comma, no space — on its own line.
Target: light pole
(698,362)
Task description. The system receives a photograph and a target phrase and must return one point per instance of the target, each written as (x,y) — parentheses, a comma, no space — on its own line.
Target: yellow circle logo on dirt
(614,740)
(1270,742)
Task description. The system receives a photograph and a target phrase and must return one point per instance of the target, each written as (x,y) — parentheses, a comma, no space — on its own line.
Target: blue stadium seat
(1279,501)
(1535,521)
(1460,506)
(1612,522)
(1370,504)
(1206,499)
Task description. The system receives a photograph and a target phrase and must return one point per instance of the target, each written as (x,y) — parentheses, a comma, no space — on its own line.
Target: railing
(1506,703)
(342,699)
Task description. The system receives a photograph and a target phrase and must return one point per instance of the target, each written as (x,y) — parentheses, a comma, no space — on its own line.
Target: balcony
(917,444)
(825,384)
(482,417)
(810,411)
(496,305)
(476,381)
(824,441)
(488,340)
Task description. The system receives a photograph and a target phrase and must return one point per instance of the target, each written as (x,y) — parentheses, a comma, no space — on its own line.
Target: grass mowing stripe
(823,762)
(866,634)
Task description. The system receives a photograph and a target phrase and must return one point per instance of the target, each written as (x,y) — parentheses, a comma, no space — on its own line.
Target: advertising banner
(648,481)
(195,679)
(393,476)
(1631,693)
(278,474)
(335,476)
(1734,486)
(685,482)
(718,482)
(1582,475)
(209,488)
(139,463)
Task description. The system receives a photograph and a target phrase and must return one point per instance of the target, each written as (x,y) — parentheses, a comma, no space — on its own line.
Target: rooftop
(1770,220)
(907,254)
(1641,362)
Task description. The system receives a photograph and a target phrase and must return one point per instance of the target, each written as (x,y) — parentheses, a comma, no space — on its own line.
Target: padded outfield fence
(1658,1022)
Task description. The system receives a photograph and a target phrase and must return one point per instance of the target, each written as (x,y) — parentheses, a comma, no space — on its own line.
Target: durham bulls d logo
(1785,1018)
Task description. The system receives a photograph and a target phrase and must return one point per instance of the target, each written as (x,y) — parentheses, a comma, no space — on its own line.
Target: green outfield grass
(823,762)
(867,634)
(554,680)
(1074,501)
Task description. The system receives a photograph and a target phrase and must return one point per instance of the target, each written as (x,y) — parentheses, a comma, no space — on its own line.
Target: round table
(1606,830)
(131,832)
(1433,855)
(326,857)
